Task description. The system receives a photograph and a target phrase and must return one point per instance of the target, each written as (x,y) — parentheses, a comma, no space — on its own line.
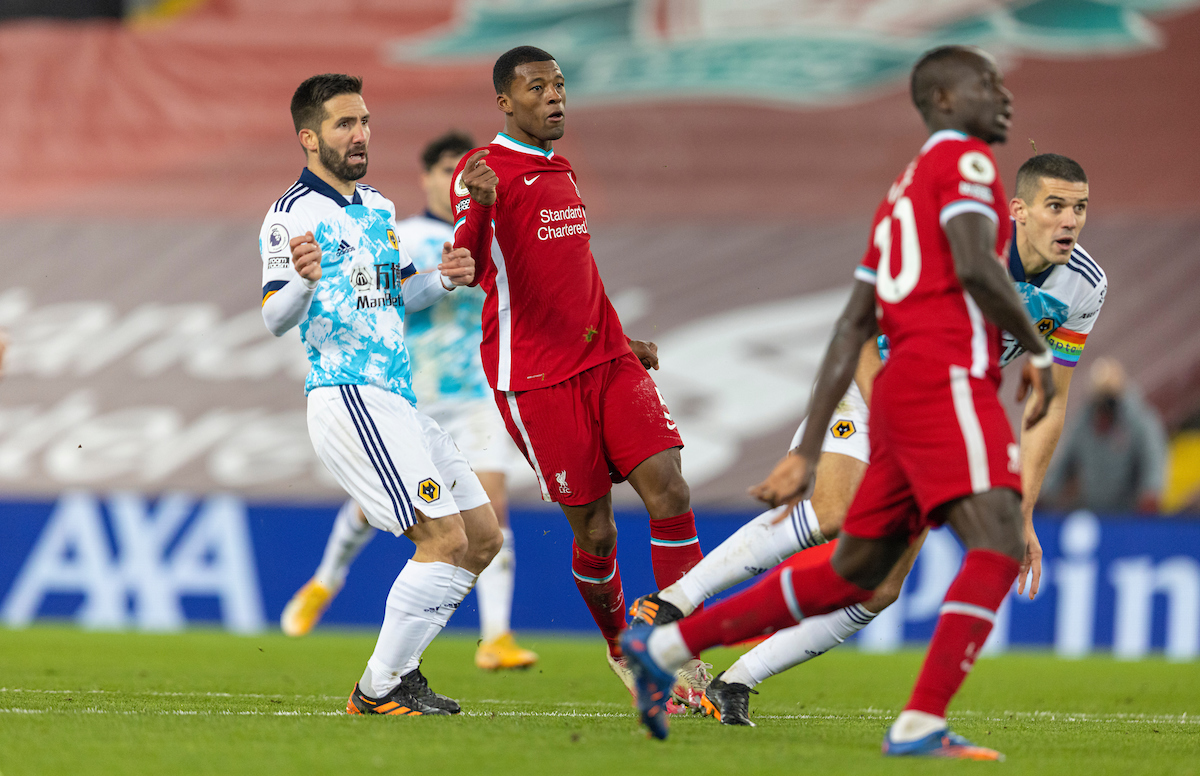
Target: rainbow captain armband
(1066,345)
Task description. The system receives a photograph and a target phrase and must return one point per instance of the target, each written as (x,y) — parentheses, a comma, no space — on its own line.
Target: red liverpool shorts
(587,432)
(937,434)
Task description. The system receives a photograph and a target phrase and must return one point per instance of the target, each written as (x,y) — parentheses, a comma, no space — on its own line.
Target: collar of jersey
(943,134)
(516,145)
(1017,269)
(310,179)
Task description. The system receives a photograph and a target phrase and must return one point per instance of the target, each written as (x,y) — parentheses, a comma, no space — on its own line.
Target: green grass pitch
(210,703)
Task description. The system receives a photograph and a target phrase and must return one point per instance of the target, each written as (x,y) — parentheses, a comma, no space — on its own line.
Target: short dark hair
(505,68)
(1056,166)
(935,69)
(453,142)
(308,103)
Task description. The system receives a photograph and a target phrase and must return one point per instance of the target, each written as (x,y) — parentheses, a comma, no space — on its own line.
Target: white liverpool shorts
(478,430)
(847,433)
(390,458)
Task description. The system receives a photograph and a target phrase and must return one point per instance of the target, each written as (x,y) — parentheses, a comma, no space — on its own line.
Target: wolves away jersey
(546,317)
(1063,302)
(354,330)
(923,309)
(444,338)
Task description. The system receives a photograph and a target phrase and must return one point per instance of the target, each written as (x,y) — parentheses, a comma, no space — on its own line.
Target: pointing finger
(475,159)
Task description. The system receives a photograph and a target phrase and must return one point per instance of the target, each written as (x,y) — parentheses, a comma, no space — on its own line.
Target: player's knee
(672,498)
(1012,545)
(830,518)
(448,543)
(885,595)
(484,548)
(599,537)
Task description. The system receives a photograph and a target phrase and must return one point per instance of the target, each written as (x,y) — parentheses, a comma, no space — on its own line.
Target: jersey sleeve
(869,266)
(276,252)
(473,227)
(965,181)
(1067,341)
(404,263)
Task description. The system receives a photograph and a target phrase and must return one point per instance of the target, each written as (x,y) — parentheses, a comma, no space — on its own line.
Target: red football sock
(599,582)
(674,548)
(778,601)
(965,622)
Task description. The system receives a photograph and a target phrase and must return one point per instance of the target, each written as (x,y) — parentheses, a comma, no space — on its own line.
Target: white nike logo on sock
(529,181)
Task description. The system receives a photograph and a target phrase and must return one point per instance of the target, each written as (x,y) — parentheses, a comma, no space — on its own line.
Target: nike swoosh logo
(529,181)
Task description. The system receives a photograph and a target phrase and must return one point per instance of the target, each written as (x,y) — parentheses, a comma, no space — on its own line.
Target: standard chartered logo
(549,216)
(554,232)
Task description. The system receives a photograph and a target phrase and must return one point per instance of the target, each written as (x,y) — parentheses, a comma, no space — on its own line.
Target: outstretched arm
(425,288)
(1037,448)
(791,480)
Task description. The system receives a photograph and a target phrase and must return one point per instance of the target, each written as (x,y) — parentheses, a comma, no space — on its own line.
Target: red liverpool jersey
(923,309)
(546,317)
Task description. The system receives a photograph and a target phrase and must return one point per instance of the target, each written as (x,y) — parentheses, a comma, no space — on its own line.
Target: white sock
(914,725)
(757,546)
(814,636)
(667,647)
(346,540)
(413,609)
(494,591)
(460,585)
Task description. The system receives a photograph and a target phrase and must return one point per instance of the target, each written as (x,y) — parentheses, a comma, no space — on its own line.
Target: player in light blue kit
(333,265)
(451,388)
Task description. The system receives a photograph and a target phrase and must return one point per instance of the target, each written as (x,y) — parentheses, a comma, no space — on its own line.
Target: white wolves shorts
(478,430)
(847,433)
(390,458)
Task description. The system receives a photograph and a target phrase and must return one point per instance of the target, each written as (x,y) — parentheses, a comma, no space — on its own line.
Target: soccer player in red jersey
(574,391)
(942,450)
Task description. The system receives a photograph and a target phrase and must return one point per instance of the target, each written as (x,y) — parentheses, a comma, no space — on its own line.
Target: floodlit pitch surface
(206,702)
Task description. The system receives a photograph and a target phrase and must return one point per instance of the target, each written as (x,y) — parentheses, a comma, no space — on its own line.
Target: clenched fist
(306,256)
(457,265)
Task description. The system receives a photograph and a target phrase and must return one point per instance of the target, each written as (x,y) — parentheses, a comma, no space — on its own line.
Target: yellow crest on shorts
(428,490)
(843,429)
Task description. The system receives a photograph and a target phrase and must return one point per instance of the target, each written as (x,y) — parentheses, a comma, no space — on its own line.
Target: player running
(933,269)
(333,266)
(573,389)
(1063,290)
(450,387)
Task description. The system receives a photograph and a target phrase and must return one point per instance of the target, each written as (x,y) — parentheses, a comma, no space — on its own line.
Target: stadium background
(155,468)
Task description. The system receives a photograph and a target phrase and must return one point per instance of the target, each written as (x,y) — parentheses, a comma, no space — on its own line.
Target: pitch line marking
(815,714)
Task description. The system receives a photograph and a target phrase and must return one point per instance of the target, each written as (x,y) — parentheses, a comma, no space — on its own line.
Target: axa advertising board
(120,561)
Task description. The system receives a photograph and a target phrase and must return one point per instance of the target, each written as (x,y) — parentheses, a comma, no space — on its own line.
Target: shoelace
(697,674)
(739,697)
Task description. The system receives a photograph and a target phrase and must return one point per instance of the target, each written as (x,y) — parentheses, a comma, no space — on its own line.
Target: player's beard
(336,163)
